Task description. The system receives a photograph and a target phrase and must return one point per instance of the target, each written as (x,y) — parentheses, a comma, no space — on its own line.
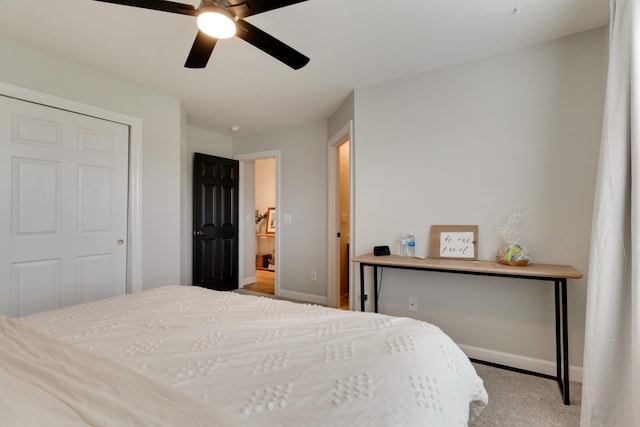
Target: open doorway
(258,264)
(264,218)
(344,220)
(340,219)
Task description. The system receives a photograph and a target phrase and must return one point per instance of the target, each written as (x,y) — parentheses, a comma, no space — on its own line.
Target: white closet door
(63,207)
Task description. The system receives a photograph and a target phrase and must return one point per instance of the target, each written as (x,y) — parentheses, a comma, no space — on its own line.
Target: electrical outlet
(314,275)
(413,304)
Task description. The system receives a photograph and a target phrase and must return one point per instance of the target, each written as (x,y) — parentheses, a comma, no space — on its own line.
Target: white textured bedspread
(278,363)
(48,382)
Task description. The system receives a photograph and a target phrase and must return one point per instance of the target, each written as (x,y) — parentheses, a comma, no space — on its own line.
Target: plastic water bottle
(403,245)
(411,245)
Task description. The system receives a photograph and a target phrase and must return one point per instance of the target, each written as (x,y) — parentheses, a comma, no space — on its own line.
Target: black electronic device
(381,250)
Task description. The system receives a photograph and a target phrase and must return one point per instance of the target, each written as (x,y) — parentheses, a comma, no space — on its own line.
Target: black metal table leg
(565,344)
(558,335)
(363,296)
(361,287)
(375,288)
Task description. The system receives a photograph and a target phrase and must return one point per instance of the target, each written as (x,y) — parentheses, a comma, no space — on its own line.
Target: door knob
(199,233)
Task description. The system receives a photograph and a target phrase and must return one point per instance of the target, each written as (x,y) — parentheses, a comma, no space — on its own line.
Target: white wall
(462,145)
(341,116)
(304,196)
(197,141)
(265,186)
(161,118)
(467,145)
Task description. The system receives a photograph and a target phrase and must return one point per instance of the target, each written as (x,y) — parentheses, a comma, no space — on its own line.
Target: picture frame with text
(454,242)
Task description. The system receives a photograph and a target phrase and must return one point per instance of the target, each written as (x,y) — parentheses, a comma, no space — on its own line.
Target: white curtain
(611,375)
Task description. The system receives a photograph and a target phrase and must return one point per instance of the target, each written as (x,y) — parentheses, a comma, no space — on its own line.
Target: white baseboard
(296,296)
(249,280)
(517,361)
(299,296)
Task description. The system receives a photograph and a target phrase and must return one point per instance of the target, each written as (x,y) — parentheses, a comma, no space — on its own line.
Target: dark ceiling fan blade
(269,44)
(161,5)
(242,9)
(200,51)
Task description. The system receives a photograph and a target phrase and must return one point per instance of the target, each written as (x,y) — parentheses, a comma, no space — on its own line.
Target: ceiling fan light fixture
(216,22)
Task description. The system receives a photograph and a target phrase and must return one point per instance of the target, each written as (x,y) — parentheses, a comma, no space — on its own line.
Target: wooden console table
(558,274)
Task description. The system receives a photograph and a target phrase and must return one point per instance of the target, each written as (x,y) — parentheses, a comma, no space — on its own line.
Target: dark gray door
(215,222)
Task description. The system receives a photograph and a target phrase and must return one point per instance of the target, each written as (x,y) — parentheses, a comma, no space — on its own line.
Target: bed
(222,358)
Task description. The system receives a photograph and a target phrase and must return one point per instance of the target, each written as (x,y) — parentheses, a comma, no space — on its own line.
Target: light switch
(287,218)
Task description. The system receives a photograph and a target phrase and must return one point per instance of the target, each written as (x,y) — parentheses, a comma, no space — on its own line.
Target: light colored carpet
(519,400)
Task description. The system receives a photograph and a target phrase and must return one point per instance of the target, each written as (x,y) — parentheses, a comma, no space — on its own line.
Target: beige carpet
(519,400)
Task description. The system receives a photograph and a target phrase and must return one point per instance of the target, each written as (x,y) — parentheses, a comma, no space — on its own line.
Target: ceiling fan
(214,17)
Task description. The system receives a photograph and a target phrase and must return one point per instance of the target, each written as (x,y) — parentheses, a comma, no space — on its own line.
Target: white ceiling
(351,43)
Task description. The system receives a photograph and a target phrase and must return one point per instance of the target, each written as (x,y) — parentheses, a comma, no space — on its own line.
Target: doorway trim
(243,229)
(344,135)
(134,210)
